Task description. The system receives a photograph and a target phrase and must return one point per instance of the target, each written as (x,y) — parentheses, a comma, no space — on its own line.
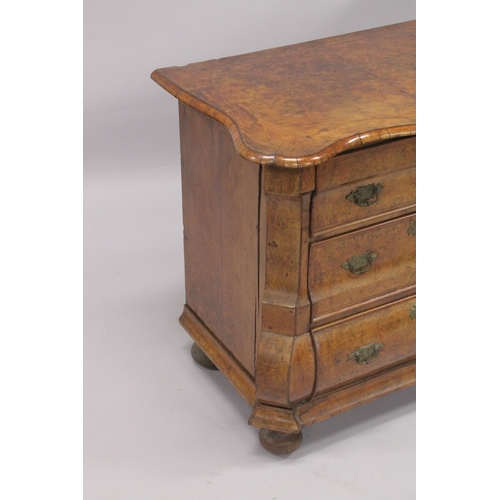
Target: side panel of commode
(221,217)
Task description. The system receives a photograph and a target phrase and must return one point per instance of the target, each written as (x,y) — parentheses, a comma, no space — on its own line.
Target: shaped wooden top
(299,105)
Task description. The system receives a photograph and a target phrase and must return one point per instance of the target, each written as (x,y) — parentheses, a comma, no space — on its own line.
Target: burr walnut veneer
(298,184)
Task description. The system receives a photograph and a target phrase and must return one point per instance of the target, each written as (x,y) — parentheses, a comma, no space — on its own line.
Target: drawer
(363,202)
(362,163)
(363,187)
(365,343)
(362,269)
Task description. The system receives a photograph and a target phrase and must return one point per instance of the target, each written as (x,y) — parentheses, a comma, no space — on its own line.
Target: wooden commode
(298,185)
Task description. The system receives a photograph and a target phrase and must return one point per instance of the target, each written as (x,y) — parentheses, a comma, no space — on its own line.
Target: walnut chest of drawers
(298,184)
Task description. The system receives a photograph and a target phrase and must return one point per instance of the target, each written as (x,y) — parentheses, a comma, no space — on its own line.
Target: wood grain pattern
(288,182)
(333,288)
(273,369)
(376,159)
(286,306)
(333,213)
(335,402)
(348,397)
(285,357)
(274,418)
(299,105)
(389,325)
(273,145)
(302,369)
(286,369)
(221,214)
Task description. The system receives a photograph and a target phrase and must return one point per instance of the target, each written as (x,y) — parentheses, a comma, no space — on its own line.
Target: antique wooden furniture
(298,183)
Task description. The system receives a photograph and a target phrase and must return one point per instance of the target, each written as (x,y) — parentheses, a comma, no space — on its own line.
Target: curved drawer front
(364,187)
(377,159)
(360,267)
(365,343)
(363,202)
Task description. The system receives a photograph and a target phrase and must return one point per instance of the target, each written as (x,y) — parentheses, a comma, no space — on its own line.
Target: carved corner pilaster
(285,360)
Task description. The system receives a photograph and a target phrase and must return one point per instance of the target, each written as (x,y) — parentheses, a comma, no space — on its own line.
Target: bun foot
(201,358)
(279,443)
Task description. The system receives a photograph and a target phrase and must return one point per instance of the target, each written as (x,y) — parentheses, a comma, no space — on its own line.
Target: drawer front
(366,162)
(365,343)
(363,202)
(359,267)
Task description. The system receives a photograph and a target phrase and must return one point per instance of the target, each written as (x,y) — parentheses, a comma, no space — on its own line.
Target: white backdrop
(156,426)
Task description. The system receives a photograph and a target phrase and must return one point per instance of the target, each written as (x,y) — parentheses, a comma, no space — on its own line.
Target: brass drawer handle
(366,354)
(413,311)
(365,195)
(360,264)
